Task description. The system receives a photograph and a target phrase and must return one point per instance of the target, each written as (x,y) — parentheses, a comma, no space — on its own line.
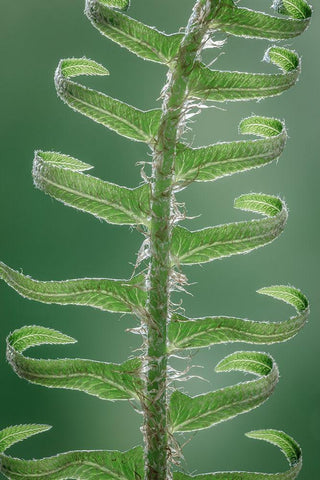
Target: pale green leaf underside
(221,86)
(211,243)
(106,381)
(146,42)
(203,411)
(59,176)
(114,114)
(185,333)
(78,465)
(215,161)
(104,294)
(287,445)
(248,23)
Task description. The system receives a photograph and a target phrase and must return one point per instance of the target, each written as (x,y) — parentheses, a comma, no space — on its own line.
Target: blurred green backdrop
(50,241)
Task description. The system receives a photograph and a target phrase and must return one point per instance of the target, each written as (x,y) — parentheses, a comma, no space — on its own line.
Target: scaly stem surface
(175,96)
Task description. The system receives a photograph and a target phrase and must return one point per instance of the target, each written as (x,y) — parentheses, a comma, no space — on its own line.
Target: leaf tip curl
(56,159)
(289,447)
(11,435)
(299,9)
(265,127)
(30,336)
(257,363)
(287,60)
(287,294)
(268,205)
(73,67)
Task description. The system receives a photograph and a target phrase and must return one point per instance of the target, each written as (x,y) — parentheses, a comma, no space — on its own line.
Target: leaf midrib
(160,57)
(235,241)
(67,465)
(229,405)
(141,133)
(115,205)
(68,294)
(180,343)
(262,29)
(234,159)
(277,88)
(55,340)
(76,375)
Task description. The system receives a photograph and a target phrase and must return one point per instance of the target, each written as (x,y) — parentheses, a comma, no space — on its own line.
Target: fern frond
(77,465)
(104,380)
(59,176)
(287,445)
(206,164)
(186,333)
(201,246)
(244,22)
(146,42)
(125,296)
(153,208)
(114,114)
(222,86)
(189,414)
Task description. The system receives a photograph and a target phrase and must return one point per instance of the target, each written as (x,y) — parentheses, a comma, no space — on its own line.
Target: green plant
(153,209)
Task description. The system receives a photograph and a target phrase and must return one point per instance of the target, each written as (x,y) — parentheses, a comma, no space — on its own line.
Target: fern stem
(175,96)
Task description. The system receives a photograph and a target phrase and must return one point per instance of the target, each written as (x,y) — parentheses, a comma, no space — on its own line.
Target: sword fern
(167,246)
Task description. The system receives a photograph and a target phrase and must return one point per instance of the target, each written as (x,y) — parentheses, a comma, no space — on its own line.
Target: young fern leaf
(146,42)
(185,333)
(189,414)
(201,246)
(287,445)
(78,465)
(59,176)
(104,380)
(248,23)
(123,296)
(219,86)
(118,116)
(206,164)
(115,465)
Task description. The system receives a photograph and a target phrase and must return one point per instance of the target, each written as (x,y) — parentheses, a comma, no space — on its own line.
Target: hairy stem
(175,97)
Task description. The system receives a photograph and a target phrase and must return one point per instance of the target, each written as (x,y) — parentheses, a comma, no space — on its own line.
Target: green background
(50,241)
